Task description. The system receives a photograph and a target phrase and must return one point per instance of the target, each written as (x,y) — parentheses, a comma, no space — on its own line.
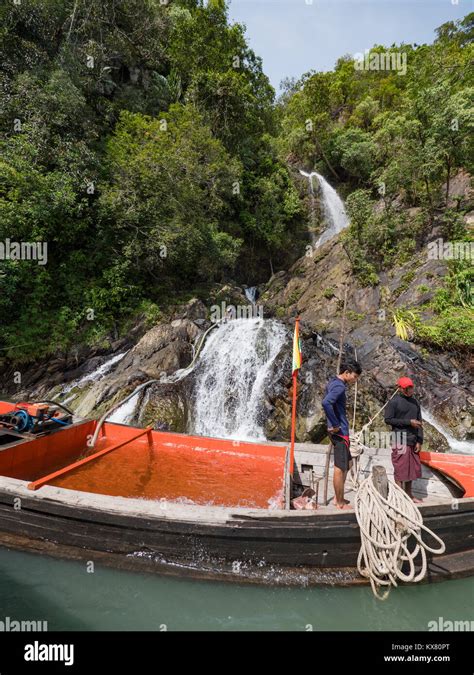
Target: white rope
(356,450)
(356,445)
(386,527)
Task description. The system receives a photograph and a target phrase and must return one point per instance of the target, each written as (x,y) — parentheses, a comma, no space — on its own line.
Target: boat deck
(431,488)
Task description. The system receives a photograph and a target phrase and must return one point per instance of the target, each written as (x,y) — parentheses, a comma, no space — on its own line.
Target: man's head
(405,386)
(349,371)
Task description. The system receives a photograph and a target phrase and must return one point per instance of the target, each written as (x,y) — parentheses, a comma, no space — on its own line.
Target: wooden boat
(204,507)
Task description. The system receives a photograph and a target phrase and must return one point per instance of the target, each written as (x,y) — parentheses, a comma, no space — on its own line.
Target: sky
(295,36)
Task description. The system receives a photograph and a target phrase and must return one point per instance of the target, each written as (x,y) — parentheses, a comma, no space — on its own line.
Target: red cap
(405,382)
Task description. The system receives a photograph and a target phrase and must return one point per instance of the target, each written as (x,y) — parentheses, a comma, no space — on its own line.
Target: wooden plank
(317,547)
(380,480)
(429,484)
(34,485)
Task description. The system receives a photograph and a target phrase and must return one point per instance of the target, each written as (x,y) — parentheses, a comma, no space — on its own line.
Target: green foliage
(328,293)
(171,184)
(452,326)
(391,141)
(458,290)
(140,141)
(137,140)
(354,151)
(408,131)
(375,239)
(355,316)
(453,329)
(151,313)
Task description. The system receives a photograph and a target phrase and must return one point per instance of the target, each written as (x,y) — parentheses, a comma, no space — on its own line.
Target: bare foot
(345,501)
(344,507)
(417,501)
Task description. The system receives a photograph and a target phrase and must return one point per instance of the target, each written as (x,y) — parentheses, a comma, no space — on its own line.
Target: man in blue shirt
(334,404)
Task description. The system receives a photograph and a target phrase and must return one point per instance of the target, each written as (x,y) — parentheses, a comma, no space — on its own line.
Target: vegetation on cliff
(142,143)
(137,141)
(392,139)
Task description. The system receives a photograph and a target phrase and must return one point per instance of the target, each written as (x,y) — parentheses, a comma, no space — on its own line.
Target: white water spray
(251,294)
(126,412)
(234,368)
(96,375)
(465,447)
(335,215)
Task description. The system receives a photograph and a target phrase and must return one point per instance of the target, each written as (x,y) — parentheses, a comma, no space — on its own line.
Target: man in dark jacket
(334,404)
(403,414)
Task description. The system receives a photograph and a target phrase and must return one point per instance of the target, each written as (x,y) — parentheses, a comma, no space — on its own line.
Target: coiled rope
(386,527)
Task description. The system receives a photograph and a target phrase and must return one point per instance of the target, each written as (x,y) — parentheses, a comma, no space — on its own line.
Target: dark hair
(350,366)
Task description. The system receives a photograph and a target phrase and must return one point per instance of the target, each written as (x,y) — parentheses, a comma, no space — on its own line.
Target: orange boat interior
(141,463)
(459,468)
(148,464)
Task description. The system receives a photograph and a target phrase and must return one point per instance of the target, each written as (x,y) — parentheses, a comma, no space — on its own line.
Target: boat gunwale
(195,513)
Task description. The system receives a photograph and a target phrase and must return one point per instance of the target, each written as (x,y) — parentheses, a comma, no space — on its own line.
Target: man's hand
(417,447)
(416,423)
(334,430)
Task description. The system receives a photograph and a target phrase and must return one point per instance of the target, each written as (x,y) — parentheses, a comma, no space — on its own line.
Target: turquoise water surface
(68,597)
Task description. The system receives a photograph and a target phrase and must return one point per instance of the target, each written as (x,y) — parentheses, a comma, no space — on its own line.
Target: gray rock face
(314,289)
(163,349)
(159,352)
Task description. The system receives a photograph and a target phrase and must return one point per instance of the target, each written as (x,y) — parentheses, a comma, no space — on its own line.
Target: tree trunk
(448,181)
(328,163)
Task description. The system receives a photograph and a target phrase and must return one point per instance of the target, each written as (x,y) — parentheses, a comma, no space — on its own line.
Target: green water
(68,597)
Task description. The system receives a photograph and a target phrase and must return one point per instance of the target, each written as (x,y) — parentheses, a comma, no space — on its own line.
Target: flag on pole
(296,348)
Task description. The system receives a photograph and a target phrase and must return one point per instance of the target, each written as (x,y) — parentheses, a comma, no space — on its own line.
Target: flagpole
(293,422)
(295,382)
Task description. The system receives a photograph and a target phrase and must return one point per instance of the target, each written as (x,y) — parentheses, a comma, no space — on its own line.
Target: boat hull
(279,547)
(126,527)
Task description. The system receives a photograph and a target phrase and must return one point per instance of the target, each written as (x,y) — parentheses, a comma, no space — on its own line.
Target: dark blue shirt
(334,404)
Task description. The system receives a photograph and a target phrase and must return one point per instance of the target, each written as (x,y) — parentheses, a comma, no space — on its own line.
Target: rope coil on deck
(386,526)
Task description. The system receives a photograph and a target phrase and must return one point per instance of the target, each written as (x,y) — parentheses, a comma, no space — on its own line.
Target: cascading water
(96,375)
(126,412)
(465,447)
(235,366)
(335,215)
(251,294)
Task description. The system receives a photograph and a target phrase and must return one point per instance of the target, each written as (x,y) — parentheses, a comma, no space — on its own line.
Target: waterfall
(465,447)
(126,412)
(334,211)
(251,294)
(96,375)
(231,376)
(232,372)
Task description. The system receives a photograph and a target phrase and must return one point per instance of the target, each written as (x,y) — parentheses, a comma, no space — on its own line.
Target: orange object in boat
(459,468)
(36,409)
